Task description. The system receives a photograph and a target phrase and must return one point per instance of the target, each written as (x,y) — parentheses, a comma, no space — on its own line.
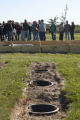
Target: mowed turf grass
(49,38)
(12,79)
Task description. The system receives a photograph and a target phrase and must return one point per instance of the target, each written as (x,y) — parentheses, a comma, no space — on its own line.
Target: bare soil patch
(3,64)
(78,64)
(34,94)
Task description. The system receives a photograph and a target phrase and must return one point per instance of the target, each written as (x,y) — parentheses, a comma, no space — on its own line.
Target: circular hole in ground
(43,109)
(41,70)
(41,83)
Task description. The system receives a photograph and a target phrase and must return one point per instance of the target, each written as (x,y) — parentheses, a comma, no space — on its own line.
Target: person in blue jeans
(10,31)
(35,29)
(53,31)
(26,30)
(42,30)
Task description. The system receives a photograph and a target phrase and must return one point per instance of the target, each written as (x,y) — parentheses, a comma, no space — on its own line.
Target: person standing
(18,28)
(14,34)
(61,31)
(30,31)
(67,31)
(14,31)
(72,29)
(10,31)
(42,30)
(53,31)
(35,29)
(3,35)
(26,30)
(1,32)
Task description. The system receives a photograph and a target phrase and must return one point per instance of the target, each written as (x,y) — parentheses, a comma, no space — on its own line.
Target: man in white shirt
(42,30)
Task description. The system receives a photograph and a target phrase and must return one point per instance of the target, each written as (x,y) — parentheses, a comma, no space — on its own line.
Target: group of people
(68,29)
(63,28)
(23,31)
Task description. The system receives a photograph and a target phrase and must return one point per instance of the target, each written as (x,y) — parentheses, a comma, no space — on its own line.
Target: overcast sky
(31,10)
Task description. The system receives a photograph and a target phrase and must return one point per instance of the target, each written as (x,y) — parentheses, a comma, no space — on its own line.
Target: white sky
(31,10)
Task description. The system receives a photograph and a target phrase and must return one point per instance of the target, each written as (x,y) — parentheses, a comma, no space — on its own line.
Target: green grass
(48,36)
(13,76)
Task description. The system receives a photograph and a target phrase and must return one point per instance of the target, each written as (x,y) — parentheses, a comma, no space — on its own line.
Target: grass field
(48,36)
(15,73)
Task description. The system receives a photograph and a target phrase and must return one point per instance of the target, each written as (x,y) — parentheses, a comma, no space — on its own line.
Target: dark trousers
(18,35)
(42,36)
(30,35)
(72,35)
(1,37)
(53,35)
(10,36)
(61,36)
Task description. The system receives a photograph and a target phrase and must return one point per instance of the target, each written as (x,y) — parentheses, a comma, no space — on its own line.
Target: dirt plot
(3,64)
(78,64)
(34,94)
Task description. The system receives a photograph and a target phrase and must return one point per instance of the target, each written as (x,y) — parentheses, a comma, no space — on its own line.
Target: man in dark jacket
(2,33)
(72,29)
(10,30)
(26,30)
(67,30)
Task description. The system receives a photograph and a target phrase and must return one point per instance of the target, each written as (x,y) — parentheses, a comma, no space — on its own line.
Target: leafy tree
(53,20)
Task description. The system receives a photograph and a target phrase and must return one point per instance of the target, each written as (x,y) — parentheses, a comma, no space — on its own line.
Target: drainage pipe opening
(43,109)
(41,83)
(41,70)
